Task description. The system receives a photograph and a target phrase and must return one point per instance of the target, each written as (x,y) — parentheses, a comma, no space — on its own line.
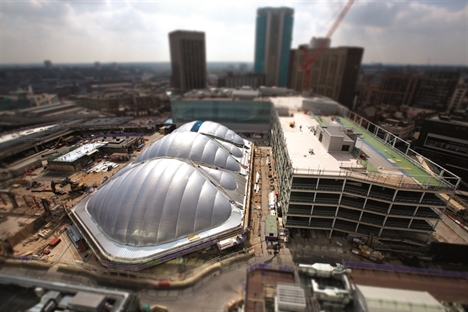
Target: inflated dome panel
(234,150)
(192,146)
(224,179)
(158,201)
(213,129)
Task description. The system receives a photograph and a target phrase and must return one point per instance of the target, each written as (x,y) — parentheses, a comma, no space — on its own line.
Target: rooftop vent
(289,297)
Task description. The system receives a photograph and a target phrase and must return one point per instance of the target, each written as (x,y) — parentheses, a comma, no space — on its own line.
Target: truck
(54,242)
(360,249)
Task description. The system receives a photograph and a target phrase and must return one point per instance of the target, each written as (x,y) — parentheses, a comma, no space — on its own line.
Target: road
(444,229)
(212,293)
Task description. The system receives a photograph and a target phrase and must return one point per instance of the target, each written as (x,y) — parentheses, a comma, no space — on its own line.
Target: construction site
(33,205)
(36,229)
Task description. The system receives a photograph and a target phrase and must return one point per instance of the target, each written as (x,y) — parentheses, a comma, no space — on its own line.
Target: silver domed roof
(192,146)
(224,179)
(158,201)
(212,129)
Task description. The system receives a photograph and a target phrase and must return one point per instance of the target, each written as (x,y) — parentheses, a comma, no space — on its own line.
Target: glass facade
(285,48)
(260,41)
(222,111)
(273,43)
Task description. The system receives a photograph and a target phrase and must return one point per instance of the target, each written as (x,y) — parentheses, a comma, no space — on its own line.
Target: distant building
(273,39)
(238,81)
(238,110)
(106,86)
(17,101)
(444,139)
(242,68)
(108,103)
(188,59)
(394,89)
(459,100)
(403,130)
(48,64)
(436,89)
(97,65)
(120,102)
(48,110)
(333,74)
(316,43)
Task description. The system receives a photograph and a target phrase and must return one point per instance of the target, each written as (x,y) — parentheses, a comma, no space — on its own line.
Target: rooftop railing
(397,179)
(434,170)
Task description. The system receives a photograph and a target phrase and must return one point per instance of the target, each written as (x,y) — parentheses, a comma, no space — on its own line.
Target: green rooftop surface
(270,225)
(403,164)
(321,121)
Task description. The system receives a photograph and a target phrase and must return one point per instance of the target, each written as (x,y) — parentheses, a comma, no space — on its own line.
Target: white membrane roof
(212,129)
(196,147)
(158,201)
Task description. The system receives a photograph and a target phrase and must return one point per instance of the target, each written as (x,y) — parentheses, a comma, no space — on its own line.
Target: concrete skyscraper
(188,59)
(273,39)
(333,74)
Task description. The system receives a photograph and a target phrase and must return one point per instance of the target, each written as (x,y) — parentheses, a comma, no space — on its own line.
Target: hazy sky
(416,32)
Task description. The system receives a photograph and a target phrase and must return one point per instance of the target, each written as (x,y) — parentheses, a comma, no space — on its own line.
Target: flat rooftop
(448,288)
(48,108)
(107,121)
(86,149)
(450,119)
(384,163)
(5,137)
(150,120)
(257,284)
(300,139)
(207,98)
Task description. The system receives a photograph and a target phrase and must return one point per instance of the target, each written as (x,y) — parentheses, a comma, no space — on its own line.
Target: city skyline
(410,32)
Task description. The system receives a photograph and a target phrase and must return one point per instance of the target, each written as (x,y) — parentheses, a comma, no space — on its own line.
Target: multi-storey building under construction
(339,172)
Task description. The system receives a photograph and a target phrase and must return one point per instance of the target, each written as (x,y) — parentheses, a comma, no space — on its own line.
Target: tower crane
(308,62)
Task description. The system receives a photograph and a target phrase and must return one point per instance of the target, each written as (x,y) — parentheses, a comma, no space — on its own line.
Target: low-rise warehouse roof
(86,149)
